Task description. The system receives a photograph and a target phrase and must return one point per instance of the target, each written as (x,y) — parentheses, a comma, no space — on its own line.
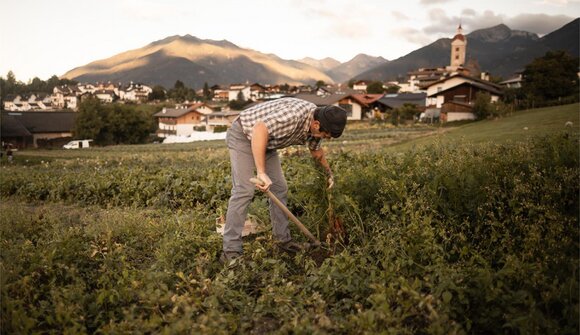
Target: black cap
(332,119)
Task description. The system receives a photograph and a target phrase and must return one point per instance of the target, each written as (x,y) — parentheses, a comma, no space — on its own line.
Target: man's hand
(266,182)
(330,179)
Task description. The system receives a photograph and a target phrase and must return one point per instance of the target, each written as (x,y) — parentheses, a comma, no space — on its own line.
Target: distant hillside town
(438,94)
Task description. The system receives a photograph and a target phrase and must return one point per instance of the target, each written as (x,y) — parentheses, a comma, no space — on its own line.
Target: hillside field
(469,229)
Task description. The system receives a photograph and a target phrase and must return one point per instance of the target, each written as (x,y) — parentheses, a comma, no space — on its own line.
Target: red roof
(366,99)
(458,37)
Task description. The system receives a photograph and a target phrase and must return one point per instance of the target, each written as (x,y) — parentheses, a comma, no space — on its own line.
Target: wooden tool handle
(286,211)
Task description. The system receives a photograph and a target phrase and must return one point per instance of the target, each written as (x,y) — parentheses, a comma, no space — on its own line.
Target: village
(442,94)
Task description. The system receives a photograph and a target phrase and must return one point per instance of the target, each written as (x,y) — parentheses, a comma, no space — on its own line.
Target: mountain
(341,72)
(497,50)
(358,64)
(324,65)
(196,61)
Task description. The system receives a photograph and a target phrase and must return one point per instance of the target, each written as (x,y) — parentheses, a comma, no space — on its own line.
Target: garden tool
(303,229)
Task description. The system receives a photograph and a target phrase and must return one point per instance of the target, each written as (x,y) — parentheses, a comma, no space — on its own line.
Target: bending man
(252,142)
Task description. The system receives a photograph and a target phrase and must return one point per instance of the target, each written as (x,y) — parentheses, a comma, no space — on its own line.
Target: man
(252,142)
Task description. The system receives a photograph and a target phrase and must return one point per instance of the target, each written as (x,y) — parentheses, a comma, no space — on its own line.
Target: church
(451,91)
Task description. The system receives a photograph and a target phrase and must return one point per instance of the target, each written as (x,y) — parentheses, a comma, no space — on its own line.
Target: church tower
(458,49)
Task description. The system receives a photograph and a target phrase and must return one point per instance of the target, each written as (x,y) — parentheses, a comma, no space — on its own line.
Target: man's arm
(259,142)
(318,155)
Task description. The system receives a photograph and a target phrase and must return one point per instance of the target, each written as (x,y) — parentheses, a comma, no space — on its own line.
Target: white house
(106,96)
(135,92)
(181,121)
(360,85)
(459,88)
(235,90)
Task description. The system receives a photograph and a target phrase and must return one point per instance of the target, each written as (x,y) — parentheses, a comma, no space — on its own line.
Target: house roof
(398,100)
(12,127)
(481,86)
(43,122)
(517,79)
(321,100)
(468,79)
(175,112)
(366,99)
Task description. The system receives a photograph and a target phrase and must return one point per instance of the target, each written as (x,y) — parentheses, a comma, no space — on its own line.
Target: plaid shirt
(287,119)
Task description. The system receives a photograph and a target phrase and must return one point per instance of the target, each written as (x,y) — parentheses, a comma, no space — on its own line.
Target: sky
(43,38)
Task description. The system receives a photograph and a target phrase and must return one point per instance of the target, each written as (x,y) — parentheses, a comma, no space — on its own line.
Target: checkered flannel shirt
(287,119)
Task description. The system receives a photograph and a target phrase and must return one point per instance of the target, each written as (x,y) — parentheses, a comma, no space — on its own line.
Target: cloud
(468,12)
(399,16)
(441,24)
(412,36)
(540,24)
(433,2)
(559,3)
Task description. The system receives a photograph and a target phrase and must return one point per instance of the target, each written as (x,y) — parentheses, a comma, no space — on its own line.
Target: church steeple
(458,49)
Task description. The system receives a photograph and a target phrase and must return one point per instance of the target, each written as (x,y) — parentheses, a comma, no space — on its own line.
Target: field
(471,229)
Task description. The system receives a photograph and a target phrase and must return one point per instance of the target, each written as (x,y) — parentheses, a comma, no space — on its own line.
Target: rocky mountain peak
(499,33)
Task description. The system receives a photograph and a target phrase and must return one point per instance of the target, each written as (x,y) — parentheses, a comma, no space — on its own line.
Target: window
(457,49)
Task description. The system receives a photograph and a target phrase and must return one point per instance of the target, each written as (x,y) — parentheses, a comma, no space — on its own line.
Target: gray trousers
(243,168)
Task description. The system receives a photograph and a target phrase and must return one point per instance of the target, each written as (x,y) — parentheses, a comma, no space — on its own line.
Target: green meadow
(457,229)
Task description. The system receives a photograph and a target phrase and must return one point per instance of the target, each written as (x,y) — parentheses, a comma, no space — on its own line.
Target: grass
(520,126)
(122,239)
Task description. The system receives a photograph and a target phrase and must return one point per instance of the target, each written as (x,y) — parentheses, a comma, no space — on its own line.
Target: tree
(178,85)
(181,93)
(239,103)
(408,111)
(482,107)
(393,89)
(207,93)
(88,123)
(320,83)
(376,87)
(158,93)
(552,76)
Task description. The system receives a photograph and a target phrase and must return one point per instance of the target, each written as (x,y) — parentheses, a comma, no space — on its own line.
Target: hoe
(303,229)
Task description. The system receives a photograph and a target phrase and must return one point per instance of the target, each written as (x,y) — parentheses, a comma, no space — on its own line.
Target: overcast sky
(41,38)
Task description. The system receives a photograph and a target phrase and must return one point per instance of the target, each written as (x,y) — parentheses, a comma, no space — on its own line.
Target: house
(390,102)
(258,92)
(27,129)
(106,95)
(65,97)
(353,107)
(181,121)
(514,82)
(460,87)
(219,93)
(135,92)
(360,85)
(393,101)
(422,78)
(219,119)
(459,91)
(235,90)
(370,103)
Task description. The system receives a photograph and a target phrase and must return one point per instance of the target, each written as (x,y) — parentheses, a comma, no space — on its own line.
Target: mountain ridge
(498,50)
